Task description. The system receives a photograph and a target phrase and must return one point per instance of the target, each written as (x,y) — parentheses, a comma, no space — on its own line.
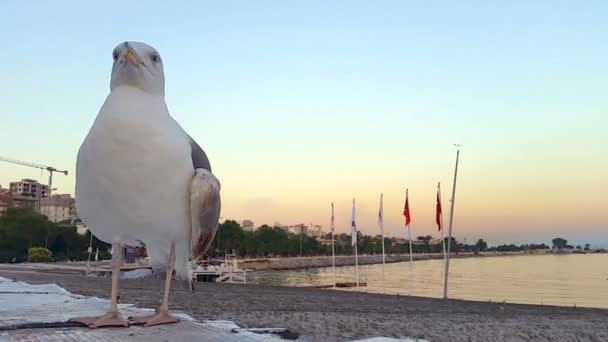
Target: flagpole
(357,266)
(89,250)
(441,228)
(447,263)
(354,241)
(333,251)
(406,212)
(409,233)
(381,225)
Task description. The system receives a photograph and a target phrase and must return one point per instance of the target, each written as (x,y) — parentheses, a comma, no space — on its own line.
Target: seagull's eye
(115,55)
(155,58)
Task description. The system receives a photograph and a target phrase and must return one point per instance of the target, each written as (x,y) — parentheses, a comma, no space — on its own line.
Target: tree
(559,243)
(21,229)
(39,254)
(98,245)
(66,243)
(454,245)
(273,241)
(481,245)
(365,244)
(231,237)
(425,239)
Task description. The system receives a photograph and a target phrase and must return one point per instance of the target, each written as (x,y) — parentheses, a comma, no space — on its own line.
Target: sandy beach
(326,315)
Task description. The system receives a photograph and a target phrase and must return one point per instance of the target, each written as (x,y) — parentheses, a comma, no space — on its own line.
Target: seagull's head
(138,65)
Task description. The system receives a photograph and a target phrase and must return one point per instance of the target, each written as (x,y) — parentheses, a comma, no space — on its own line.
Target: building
(58,207)
(248,225)
(20,201)
(6,201)
(298,229)
(3,190)
(29,188)
(316,231)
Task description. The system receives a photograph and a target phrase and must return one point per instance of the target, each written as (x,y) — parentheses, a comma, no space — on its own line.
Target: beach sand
(327,315)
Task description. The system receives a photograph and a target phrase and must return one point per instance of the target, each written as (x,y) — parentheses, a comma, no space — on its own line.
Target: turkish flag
(406,211)
(438,212)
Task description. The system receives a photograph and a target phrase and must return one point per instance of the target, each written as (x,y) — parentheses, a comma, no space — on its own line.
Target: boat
(219,271)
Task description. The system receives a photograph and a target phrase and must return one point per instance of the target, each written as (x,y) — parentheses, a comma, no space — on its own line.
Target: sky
(300,104)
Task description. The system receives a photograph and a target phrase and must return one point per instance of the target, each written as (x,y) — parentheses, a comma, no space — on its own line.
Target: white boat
(219,271)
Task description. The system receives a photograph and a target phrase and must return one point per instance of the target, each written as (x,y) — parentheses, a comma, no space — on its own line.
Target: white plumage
(140,178)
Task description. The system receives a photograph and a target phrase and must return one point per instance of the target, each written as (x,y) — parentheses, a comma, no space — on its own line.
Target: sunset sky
(299,104)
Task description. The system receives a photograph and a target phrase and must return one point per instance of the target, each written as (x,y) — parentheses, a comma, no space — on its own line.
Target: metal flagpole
(90,249)
(357,266)
(333,251)
(409,232)
(381,225)
(354,242)
(447,263)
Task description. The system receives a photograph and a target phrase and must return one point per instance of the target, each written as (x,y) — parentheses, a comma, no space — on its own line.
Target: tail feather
(202,245)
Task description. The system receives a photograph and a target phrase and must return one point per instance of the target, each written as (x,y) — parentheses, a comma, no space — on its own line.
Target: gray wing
(199,158)
(205,203)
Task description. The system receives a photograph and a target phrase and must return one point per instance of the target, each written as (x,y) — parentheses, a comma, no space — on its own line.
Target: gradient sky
(299,104)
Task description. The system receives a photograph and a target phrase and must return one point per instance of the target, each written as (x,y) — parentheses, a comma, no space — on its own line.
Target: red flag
(438,211)
(406,210)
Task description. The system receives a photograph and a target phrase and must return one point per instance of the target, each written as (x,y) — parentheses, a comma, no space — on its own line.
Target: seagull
(142,180)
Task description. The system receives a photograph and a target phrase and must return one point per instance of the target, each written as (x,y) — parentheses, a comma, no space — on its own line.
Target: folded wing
(205,203)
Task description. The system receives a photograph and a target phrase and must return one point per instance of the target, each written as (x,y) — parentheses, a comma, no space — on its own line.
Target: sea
(565,280)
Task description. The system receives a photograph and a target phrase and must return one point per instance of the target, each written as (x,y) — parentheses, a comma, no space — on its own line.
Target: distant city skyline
(298,107)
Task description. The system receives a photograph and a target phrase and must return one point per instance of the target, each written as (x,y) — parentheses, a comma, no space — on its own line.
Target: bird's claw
(163,317)
(111,319)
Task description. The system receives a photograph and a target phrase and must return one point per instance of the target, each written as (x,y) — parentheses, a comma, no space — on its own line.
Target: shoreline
(297,263)
(327,315)
(101,268)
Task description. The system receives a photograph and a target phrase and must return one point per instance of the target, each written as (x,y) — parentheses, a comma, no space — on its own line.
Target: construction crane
(50,169)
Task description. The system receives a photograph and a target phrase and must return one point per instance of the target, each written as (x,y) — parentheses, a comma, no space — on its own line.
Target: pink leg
(163,316)
(112,318)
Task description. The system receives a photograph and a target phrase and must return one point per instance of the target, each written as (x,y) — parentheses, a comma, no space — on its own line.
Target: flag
(438,210)
(332,225)
(380,215)
(353,226)
(406,210)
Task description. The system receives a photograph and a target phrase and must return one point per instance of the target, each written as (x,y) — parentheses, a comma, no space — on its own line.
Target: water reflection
(574,279)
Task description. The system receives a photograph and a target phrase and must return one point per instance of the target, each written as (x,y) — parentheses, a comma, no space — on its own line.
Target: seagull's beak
(132,57)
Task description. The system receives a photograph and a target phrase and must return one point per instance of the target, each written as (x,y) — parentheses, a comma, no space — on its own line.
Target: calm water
(576,279)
